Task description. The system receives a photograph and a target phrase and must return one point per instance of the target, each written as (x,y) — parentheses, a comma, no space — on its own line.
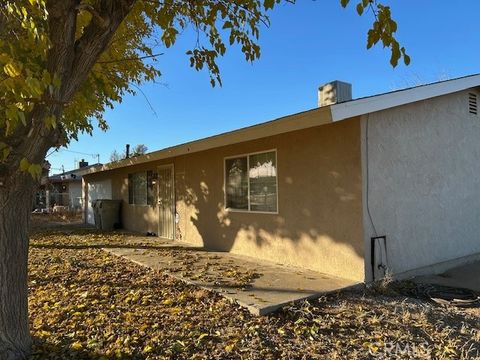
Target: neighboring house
(39,200)
(349,189)
(65,189)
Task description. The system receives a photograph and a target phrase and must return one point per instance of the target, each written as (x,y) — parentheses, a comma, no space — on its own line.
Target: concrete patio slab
(465,276)
(260,286)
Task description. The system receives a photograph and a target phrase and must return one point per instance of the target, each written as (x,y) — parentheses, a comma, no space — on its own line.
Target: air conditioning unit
(334,92)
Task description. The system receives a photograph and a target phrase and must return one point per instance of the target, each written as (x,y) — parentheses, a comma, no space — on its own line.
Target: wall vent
(472,103)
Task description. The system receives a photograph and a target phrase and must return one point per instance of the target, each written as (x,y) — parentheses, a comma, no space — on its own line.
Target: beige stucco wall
(319,221)
(423,183)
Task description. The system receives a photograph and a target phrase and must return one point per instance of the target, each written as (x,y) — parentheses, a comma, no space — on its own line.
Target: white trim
(250,153)
(247,155)
(230,210)
(375,103)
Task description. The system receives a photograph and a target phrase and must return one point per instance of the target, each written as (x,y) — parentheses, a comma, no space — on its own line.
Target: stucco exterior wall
(319,221)
(422,186)
(75,194)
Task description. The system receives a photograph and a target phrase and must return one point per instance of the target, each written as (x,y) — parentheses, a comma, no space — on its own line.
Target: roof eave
(303,120)
(299,121)
(380,102)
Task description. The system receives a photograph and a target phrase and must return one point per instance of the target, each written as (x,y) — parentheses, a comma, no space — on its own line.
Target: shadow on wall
(319,224)
(309,221)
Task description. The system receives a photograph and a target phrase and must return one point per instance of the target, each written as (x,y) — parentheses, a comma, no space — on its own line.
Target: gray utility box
(107,214)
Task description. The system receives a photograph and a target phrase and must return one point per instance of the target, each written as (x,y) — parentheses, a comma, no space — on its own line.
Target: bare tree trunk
(16,196)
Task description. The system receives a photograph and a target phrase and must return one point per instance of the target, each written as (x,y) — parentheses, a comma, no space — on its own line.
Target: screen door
(166,202)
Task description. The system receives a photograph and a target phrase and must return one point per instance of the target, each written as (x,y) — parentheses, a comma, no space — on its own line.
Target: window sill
(251,211)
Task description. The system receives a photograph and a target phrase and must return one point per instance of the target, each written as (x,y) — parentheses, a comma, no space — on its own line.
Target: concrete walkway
(465,276)
(260,286)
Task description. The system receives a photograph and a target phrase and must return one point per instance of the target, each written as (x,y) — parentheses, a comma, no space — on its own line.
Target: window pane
(130,188)
(151,188)
(263,182)
(236,184)
(139,185)
(141,191)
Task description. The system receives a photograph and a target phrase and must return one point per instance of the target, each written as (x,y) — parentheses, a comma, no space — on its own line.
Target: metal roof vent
(472,103)
(334,92)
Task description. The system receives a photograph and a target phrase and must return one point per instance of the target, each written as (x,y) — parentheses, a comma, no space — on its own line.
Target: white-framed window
(251,182)
(141,190)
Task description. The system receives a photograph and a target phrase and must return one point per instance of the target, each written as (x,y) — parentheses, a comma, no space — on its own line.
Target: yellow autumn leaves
(11,69)
(87,304)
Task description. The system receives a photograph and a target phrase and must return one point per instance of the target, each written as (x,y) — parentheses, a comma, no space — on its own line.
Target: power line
(62,169)
(76,152)
(80,153)
(51,152)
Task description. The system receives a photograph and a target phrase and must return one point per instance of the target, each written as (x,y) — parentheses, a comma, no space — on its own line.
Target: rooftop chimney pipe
(127,151)
(82,163)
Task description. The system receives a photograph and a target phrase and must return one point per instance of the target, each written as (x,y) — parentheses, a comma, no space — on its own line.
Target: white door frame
(172,168)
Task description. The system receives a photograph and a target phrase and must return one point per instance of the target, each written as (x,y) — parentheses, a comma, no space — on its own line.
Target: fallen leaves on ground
(87,304)
(190,263)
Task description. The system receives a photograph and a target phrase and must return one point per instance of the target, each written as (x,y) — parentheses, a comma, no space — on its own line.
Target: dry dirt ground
(87,304)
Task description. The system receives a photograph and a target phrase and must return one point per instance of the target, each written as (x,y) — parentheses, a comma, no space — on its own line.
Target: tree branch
(95,40)
(87,7)
(62,23)
(130,59)
(146,99)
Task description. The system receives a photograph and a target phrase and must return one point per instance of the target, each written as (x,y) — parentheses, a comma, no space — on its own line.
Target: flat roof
(303,120)
(65,176)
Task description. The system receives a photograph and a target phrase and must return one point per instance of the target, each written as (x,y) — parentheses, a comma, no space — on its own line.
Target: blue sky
(308,44)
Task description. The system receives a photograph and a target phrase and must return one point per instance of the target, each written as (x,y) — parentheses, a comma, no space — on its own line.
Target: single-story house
(64,189)
(352,188)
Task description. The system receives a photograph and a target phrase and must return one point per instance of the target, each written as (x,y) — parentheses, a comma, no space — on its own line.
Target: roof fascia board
(381,102)
(299,121)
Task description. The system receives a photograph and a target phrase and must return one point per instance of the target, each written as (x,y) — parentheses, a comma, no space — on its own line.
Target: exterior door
(166,202)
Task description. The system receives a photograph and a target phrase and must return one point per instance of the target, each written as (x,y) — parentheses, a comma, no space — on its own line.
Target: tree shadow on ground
(113,246)
(64,349)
